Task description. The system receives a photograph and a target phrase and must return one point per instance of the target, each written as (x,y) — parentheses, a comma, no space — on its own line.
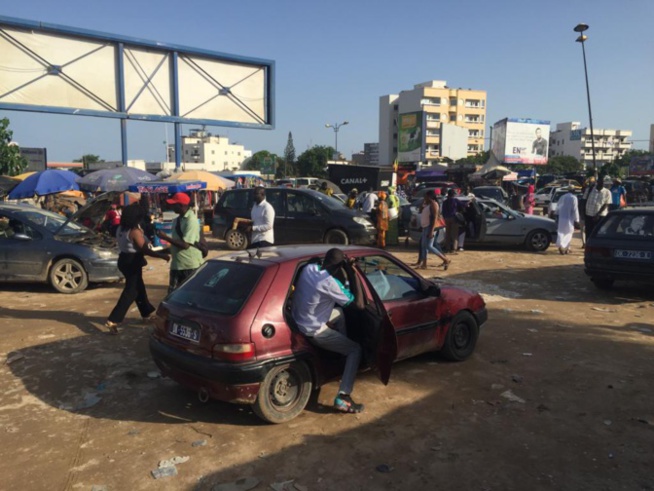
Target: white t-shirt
(263,222)
(369,203)
(316,294)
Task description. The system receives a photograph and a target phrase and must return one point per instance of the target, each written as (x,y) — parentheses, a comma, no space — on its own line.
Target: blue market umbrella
(45,182)
(117,179)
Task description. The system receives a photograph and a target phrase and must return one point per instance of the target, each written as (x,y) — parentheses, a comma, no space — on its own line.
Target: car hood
(538,221)
(94,209)
(347,212)
(91,239)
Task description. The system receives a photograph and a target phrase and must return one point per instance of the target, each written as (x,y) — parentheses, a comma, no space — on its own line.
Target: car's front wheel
(336,236)
(284,393)
(538,240)
(236,240)
(461,338)
(68,276)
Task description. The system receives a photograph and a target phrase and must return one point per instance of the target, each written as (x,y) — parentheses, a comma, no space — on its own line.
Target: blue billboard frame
(172,50)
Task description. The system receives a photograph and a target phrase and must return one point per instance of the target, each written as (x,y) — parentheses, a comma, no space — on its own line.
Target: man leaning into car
(318,290)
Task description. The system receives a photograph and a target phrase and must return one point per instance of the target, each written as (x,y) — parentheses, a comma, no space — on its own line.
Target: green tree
(477,159)
(561,164)
(12,162)
(289,158)
(256,162)
(625,159)
(89,158)
(313,162)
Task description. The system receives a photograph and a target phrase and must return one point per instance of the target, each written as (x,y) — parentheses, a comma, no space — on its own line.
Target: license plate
(185,332)
(626,254)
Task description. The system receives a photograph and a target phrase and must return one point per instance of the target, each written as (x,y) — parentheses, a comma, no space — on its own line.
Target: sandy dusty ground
(557,396)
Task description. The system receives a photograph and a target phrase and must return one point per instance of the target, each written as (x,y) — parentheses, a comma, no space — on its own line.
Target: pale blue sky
(334,59)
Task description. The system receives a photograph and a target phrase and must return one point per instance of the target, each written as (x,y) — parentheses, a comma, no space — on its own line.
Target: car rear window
(630,225)
(220,287)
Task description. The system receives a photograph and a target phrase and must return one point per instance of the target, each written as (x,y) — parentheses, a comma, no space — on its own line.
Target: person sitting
(318,290)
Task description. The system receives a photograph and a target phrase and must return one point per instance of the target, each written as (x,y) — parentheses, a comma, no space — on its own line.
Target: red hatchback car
(227,332)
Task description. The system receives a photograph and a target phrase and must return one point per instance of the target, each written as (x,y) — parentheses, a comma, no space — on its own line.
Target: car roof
(647,210)
(282,254)
(17,206)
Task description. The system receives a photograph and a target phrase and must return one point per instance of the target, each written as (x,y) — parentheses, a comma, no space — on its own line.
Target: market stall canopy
(167,187)
(43,183)
(116,179)
(213,181)
(431,172)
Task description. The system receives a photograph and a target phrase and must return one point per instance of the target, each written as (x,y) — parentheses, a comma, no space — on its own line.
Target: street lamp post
(336,127)
(580,28)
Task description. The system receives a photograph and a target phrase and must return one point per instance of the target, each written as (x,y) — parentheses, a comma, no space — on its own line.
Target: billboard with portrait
(410,135)
(641,165)
(521,141)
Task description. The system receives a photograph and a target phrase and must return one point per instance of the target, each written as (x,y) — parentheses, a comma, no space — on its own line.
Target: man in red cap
(186,258)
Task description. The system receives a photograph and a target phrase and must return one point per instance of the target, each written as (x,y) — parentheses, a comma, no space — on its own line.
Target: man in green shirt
(186,258)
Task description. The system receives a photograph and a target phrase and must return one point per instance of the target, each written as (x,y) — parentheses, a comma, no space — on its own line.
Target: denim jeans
(428,244)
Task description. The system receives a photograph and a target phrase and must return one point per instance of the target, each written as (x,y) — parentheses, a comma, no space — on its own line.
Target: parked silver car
(504,226)
(41,246)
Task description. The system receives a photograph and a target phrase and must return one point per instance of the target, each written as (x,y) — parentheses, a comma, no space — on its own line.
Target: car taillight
(598,251)
(234,352)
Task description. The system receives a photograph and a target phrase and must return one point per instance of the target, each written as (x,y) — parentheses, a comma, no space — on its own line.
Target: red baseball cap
(179,198)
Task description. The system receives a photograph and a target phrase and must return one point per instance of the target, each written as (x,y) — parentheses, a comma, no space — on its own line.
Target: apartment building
(435,103)
(573,140)
(215,152)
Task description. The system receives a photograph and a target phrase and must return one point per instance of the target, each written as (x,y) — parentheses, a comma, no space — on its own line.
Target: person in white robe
(568,217)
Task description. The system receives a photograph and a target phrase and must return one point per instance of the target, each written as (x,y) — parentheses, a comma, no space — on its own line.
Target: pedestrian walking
(597,206)
(451,206)
(187,257)
(382,220)
(618,195)
(431,222)
(530,200)
(263,220)
(133,247)
(568,210)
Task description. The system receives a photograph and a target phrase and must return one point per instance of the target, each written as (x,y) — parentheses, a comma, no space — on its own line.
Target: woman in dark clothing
(133,247)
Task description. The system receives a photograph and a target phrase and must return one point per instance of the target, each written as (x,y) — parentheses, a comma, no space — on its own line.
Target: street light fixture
(580,28)
(336,127)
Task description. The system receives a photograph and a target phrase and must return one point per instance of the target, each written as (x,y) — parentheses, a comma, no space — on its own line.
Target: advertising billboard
(37,159)
(410,134)
(521,141)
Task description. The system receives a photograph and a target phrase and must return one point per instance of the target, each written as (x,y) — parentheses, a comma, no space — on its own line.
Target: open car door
(376,334)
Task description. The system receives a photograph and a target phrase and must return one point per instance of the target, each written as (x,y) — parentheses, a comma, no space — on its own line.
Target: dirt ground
(558,395)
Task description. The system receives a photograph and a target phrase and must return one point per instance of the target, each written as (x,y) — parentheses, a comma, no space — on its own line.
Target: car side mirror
(433,290)
(21,237)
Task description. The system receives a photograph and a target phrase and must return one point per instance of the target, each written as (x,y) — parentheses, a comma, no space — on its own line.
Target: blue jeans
(428,244)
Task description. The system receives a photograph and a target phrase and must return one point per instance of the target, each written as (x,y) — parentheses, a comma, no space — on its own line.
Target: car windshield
(557,196)
(636,226)
(220,287)
(53,222)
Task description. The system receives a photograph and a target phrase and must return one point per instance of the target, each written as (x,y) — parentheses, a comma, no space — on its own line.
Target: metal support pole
(590,112)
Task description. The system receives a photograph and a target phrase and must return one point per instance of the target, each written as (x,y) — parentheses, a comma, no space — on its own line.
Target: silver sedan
(500,225)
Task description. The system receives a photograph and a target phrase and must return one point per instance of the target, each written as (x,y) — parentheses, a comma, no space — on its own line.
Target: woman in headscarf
(530,200)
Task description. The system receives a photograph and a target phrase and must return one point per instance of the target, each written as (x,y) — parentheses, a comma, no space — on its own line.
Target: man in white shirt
(370,205)
(263,220)
(317,292)
(597,206)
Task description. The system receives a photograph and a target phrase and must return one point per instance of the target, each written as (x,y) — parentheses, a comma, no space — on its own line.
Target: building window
(213,152)
(452,101)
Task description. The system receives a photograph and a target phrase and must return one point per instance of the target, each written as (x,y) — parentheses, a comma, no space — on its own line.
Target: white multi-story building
(573,140)
(213,152)
(437,103)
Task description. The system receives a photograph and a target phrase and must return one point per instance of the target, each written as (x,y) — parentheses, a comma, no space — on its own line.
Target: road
(556,397)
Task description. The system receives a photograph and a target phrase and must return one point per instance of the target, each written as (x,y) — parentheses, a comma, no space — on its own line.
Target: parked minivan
(305,182)
(302,216)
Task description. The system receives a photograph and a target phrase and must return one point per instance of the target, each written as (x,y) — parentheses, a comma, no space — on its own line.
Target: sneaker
(460,248)
(112,326)
(345,404)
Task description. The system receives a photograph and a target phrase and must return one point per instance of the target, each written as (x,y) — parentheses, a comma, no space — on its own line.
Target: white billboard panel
(454,141)
(521,141)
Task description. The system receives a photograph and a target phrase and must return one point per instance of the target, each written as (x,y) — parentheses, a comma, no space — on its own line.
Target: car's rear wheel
(336,236)
(68,276)
(538,240)
(602,283)
(461,338)
(236,240)
(284,393)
